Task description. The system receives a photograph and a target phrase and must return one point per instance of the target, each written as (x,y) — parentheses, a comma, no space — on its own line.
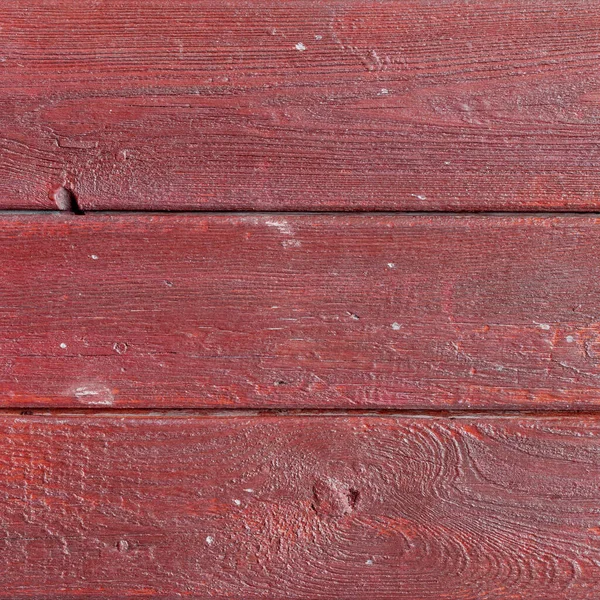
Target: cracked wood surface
(329,311)
(300,507)
(300,105)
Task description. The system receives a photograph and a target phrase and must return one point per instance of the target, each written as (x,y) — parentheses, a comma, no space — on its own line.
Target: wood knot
(65,199)
(62,198)
(332,498)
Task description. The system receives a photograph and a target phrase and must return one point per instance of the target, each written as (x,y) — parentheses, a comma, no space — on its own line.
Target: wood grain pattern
(299,311)
(295,104)
(292,507)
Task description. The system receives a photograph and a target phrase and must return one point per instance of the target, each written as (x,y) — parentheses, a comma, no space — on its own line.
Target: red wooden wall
(300,299)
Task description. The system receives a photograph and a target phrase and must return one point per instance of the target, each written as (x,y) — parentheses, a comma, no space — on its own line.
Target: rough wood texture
(295,104)
(291,507)
(302,311)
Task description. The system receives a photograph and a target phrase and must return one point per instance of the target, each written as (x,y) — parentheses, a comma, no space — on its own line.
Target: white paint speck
(93,257)
(237,502)
(210,540)
(570,339)
(318,37)
(249,490)
(420,196)
(384,92)
(369,562)
(396,326)
(391,265)
(300,46)
(544,326)
(63,345)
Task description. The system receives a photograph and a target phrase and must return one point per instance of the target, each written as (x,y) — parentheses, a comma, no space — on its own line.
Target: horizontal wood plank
(299,311)
(295,104)
(293,507)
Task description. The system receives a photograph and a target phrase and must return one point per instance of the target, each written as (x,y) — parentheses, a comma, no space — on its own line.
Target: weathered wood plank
(292,507)
(294,104)
(302,311)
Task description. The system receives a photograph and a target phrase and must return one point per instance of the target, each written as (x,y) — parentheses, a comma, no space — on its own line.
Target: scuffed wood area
(300,507)
(300,105)
(299,311)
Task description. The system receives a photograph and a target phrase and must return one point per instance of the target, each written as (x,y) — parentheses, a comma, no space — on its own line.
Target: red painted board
(328,311)
(301,104)
(300,507)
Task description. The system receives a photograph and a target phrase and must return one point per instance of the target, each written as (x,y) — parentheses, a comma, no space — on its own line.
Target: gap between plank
(295,413)
(76,211)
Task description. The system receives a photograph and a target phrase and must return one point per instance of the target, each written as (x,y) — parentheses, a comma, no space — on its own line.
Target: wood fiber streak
(314,508)
(329,311)
(299,104)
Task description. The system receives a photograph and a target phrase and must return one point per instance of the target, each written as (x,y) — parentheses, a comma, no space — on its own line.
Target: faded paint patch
(282,225)
(94,394)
